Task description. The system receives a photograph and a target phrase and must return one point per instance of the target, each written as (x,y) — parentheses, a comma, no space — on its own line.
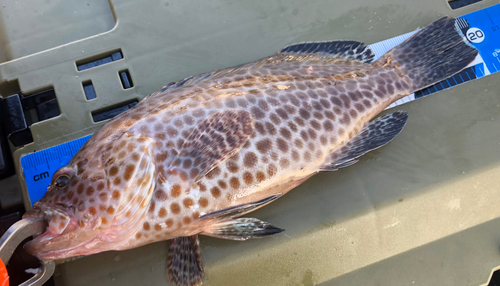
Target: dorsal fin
(345,51)
(336,52)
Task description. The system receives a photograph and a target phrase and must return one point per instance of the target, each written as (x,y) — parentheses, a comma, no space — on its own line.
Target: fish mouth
(56,242)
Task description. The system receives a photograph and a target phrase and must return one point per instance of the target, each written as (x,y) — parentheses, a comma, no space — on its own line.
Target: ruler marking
(496,70)
(468,75)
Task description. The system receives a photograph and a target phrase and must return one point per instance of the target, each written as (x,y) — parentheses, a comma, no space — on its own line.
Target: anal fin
(241,229)
(184,262)
(374,135)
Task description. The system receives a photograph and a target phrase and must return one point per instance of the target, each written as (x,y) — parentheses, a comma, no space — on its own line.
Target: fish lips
(59,237)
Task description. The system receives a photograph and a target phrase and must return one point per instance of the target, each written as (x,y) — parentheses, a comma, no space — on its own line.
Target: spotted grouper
(194,157)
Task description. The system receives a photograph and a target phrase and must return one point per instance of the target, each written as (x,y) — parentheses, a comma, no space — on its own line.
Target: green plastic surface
(424,210)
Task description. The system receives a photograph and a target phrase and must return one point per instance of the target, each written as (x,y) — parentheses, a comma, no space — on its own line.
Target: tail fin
(435,53)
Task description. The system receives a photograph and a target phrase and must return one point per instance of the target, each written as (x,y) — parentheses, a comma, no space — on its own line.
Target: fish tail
(435,53)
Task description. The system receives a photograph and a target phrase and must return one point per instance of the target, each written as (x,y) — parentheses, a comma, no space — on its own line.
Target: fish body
(196,155)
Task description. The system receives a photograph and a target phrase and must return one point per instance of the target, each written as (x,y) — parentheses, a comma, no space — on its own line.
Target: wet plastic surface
(423,210)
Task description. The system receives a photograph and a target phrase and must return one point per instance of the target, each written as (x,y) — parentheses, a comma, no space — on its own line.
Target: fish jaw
(75,239)
(62,238)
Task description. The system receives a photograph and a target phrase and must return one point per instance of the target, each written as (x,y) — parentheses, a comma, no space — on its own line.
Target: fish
(196,156)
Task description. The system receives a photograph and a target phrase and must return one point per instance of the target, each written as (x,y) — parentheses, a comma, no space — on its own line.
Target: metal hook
(14,236)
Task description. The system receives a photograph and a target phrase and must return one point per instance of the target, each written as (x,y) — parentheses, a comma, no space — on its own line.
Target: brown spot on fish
(250,159)
(162,157)
(263,146)
(284,163)
(234,183)
(138,235)
(161,195)
(257,113)
(187,202)
(202,187)
(146,226)
(122,154)
(274,118)
(304,114)
(116,195)
(169,222)
(299,121)
(285,133)
(222,184)
(248,178)
(162,212)
(113,171)
(187,220)
(117,181)
(111,210)
(183,175)
(260,128)
(270,128)
(100,186)
(92,211)
(175,208)
(157,227)
(272,170)
(260,176)
(176,190)
(282,145)
(215,192)
(80,188)
(214,173)
(90,191)
(232,166)
(129,171)
(203,202)
(152,207)
(307,156)
(135,157)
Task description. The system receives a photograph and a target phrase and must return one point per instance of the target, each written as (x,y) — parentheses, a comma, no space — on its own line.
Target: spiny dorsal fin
(241,229)
(375,134)
(345,51)
(184,262)
(336,52)
(212,141)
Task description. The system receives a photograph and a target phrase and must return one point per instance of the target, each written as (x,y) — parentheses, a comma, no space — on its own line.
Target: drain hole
(99,60)
(455,4)
(88,88)
(126,79)
(113,111)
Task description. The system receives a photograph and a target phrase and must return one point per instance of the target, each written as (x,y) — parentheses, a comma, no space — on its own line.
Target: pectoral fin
(213,141)
(184,262)
(374,135)
(239,210)
(241,229)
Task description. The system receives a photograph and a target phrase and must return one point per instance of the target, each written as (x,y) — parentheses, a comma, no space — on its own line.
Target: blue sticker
(39,166)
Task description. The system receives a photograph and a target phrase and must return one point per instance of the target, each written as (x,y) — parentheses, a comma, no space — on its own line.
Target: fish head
(97,202)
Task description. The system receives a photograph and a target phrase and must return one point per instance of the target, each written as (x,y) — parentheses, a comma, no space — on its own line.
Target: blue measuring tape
(482,29)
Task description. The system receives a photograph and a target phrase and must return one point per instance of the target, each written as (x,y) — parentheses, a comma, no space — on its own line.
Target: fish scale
(196,155)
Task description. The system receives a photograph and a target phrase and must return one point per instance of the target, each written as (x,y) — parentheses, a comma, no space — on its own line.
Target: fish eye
(62,181)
